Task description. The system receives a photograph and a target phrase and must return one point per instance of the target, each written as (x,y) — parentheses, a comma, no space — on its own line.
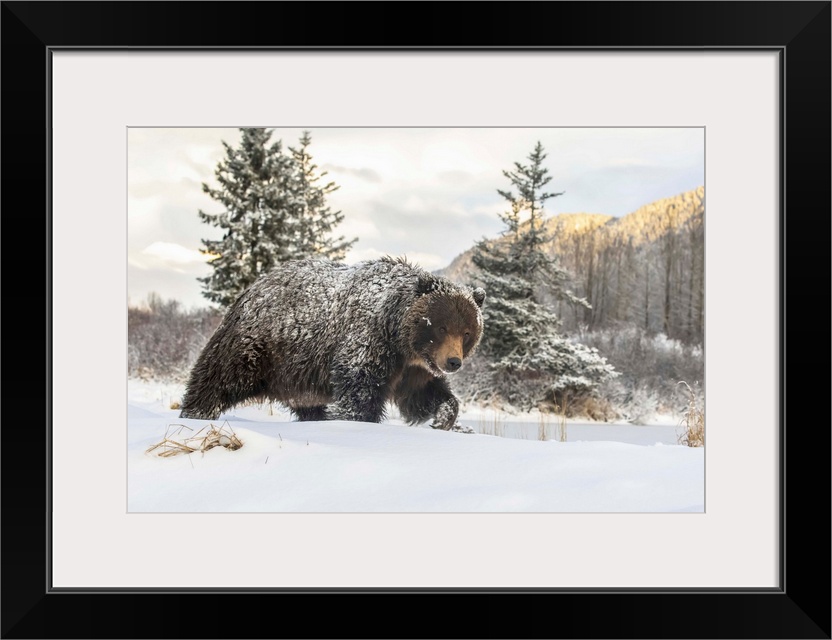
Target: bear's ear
(479,296)
(427,283)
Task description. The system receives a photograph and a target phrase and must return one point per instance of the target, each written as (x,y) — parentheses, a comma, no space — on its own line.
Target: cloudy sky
(425,193)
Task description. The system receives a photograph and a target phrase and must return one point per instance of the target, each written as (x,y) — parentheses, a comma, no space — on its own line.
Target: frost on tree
(312,221)
(528,360)
(274,210)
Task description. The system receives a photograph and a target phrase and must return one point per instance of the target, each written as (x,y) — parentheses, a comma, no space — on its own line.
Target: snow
(340,466)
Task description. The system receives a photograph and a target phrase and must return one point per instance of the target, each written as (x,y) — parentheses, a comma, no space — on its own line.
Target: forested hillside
(645,269)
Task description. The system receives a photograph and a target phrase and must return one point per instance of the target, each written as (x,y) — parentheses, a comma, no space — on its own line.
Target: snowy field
(511,464)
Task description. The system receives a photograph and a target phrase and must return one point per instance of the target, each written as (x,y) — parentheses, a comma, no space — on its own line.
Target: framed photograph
(79,78)
(356,229)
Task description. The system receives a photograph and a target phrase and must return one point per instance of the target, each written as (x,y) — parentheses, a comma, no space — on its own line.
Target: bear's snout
(448,356)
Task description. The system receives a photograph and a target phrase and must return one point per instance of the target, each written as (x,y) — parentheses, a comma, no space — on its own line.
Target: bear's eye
(467,334)
(443,330)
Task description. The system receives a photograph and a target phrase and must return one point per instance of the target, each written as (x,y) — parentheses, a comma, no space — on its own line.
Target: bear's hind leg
(360,396)
(207,400)
(220,380)
(355,410)
(308,414)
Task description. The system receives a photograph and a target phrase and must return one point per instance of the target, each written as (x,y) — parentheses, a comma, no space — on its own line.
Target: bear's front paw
(459,428)
(445,416)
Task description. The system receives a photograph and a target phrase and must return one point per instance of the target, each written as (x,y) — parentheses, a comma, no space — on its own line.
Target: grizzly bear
(337,342)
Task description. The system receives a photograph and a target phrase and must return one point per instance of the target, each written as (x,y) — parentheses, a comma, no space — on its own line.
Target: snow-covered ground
(287,466)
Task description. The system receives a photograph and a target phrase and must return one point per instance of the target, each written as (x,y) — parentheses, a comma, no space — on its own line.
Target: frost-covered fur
(336,342)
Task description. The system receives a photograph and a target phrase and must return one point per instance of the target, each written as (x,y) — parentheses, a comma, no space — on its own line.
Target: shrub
(692,425)
(163,340)
(650,366)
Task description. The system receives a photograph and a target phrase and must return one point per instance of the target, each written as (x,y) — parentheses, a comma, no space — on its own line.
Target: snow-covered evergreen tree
(311,219)
(529,360)
(274,210)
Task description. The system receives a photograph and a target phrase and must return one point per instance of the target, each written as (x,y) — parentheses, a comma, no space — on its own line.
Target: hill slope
(643,226)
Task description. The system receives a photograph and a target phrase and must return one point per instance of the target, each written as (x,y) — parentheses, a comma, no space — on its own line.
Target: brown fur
(336,342)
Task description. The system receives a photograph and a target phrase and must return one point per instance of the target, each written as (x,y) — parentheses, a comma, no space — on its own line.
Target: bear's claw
(461,428)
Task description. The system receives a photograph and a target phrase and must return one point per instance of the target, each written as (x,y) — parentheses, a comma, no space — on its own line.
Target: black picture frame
(798,608)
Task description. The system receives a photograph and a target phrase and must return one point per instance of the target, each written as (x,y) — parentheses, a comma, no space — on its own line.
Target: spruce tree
(529,360)
(274,210)
(312,220)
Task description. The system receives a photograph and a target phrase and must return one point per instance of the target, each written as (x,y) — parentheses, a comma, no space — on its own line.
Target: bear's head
(445,324)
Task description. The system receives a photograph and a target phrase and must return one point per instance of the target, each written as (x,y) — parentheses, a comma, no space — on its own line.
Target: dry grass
(599,409)
(543,426)
(561,426)
(202,442)
(692,425)
(557,414)
(492,425)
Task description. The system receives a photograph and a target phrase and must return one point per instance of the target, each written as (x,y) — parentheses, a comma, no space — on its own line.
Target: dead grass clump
(599,409)
(202,442)
(692,425)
